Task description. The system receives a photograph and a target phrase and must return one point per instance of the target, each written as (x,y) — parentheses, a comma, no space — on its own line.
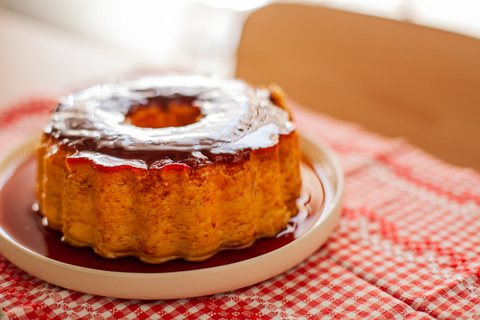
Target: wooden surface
(394,78)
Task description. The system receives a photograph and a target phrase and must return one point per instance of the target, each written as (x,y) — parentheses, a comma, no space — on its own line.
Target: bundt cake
(169,167)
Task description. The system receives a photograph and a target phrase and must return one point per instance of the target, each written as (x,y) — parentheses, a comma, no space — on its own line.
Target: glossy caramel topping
(227,119)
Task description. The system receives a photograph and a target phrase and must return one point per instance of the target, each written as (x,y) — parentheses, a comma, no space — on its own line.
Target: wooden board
(394,78)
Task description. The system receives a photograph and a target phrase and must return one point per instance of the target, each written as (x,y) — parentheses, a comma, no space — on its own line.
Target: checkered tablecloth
(407,246)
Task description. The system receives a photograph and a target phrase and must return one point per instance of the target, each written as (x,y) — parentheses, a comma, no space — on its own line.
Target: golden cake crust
(168,211)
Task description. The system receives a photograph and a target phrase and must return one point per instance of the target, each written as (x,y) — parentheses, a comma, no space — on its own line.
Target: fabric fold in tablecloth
(407,246)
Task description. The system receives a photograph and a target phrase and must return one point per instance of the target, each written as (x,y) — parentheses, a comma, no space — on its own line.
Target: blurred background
(95,38)
(401,68)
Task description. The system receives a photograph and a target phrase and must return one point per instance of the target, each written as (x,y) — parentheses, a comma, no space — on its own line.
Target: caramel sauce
(195,120)
(25,227)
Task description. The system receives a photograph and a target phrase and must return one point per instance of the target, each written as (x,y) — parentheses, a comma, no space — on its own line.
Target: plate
(37,250)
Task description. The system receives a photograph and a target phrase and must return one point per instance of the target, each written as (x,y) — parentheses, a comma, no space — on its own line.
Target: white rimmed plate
(179,279)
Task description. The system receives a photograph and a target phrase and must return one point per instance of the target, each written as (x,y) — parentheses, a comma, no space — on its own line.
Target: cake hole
(164,111)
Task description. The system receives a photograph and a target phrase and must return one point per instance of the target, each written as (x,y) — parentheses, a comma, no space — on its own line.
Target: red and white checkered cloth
(407,246)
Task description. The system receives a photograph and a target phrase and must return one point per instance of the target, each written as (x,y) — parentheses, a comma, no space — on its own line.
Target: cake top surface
(228,119)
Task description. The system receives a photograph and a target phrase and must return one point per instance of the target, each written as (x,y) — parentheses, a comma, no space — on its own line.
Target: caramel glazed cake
(169,167)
